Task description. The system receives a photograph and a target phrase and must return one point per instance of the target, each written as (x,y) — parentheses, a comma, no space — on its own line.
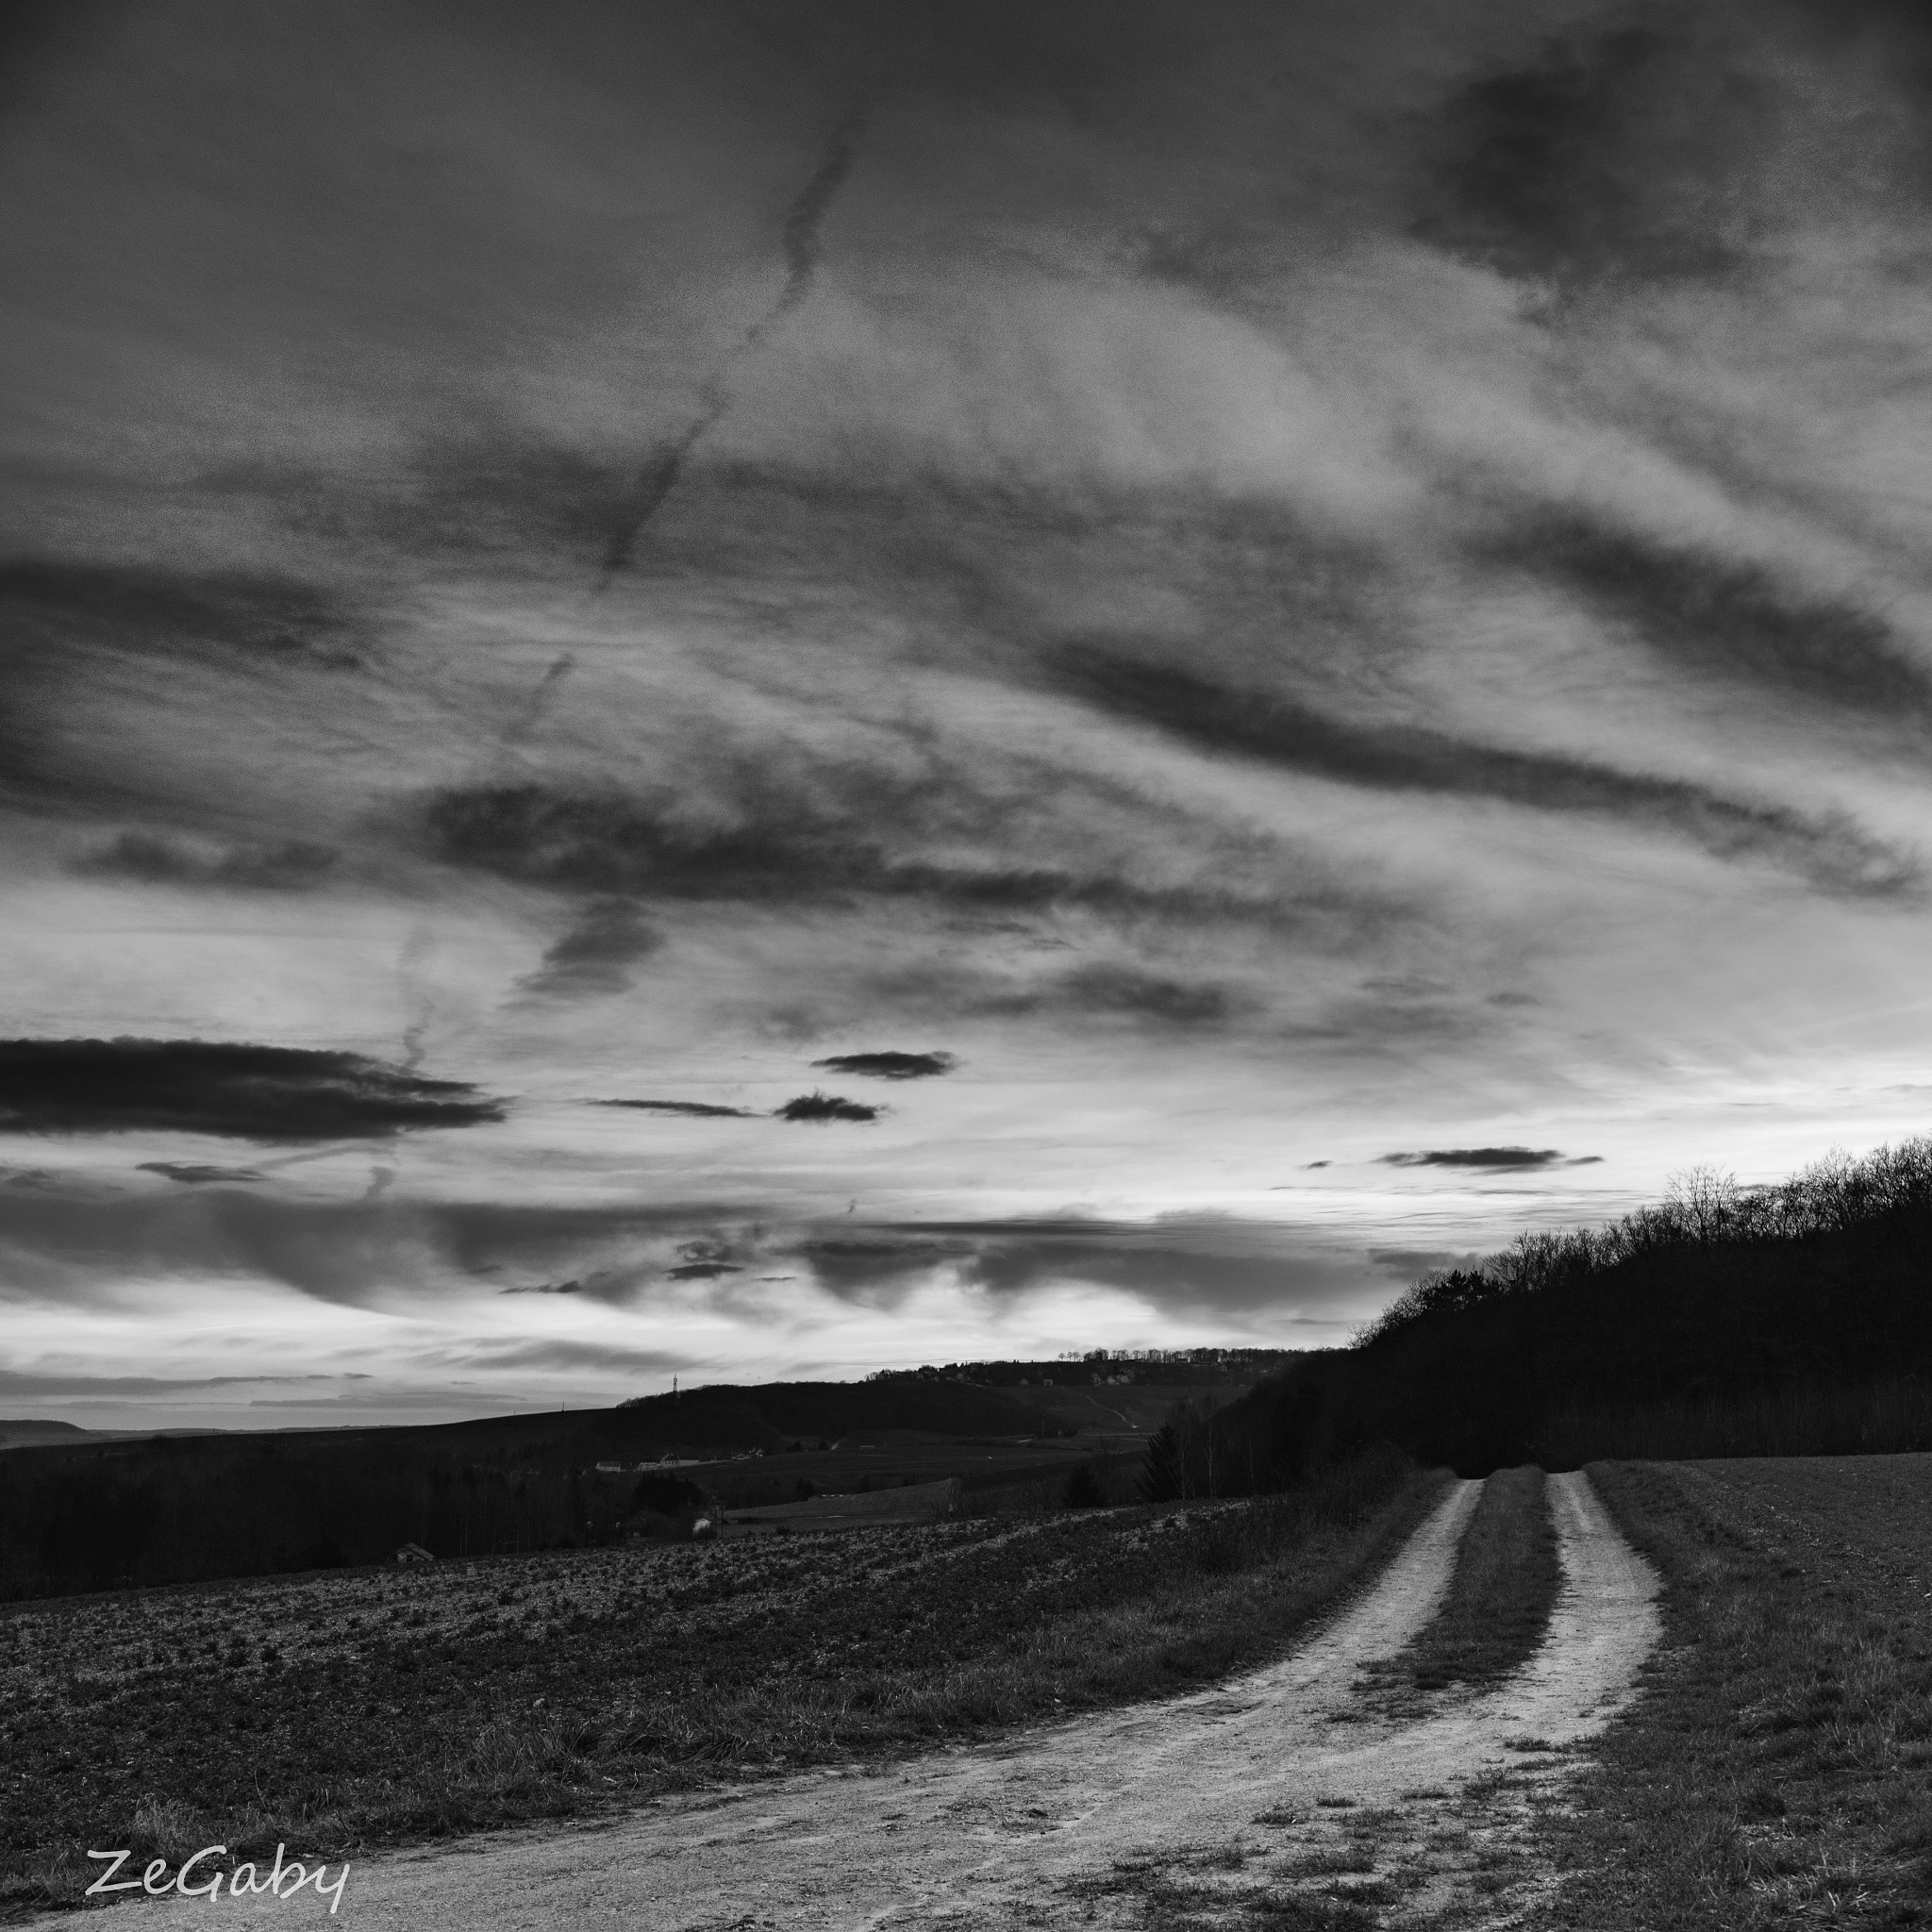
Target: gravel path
(1258,1783)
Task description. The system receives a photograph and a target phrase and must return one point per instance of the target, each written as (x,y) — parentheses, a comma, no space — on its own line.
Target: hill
(1789,1320)
(771,1414)
(15,1431)
(25,1433)
(81,1512)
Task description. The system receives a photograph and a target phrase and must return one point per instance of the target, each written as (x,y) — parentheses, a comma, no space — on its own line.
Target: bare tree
(1707,1199)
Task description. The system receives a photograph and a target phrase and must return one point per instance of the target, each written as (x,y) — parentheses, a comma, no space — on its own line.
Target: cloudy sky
(736,688)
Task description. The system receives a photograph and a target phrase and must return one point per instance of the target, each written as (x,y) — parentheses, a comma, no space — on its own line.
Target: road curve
(997,1836)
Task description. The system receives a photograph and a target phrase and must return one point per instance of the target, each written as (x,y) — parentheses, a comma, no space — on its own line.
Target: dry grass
(1779,1772)
(1170,1897)
(1498,1606)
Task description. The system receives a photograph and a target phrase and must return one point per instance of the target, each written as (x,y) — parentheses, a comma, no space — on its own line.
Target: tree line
(182,1510)
(1793,1319)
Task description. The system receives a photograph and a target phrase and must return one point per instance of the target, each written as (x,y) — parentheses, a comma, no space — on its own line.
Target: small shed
(415,1553)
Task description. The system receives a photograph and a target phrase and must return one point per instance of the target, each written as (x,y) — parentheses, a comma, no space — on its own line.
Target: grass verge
(1779,1771)
(1498,1606)
(345,1710)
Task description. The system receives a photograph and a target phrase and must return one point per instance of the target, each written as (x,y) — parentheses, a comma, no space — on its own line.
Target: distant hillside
(15,1432)
(772,1414)
(88,1512)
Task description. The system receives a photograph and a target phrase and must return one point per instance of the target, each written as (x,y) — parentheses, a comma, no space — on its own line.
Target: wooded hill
(1789,1320)
(772,1414)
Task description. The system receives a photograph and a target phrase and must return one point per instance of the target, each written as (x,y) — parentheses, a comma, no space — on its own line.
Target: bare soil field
(349,1709)
(1277,1799)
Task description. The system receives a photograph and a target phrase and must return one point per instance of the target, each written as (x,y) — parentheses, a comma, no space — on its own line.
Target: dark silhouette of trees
(1789,1320)
(1083,1489)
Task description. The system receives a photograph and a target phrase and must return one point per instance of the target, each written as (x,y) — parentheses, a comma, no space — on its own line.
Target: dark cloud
(1719,615)
(1084,57)
(695,1109)
(88,650)
(493,491)
(15,1383)
(1608,156)
(1382,1028)
(707,1257)
(1905,24)
(609,842)
(209,1087)
(262,620)
(36,1178)
(1502,1160)
(477,1236)
(856,1266)
(1832,852)
(594,1356)
(944,989)
(1188,1264)
(293,865)
(1103,991)
(590,959)
(825,1106)
(1147,996)
(33,33)
(81,1247)
(890,1066)
(1683,144)
(852,834)
(1406,1263)
(348,1252)
(199,1174)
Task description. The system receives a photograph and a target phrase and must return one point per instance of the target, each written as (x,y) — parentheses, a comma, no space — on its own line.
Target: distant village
(1160,1367)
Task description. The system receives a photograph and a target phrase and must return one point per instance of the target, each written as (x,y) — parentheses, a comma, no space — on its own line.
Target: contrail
(659,477)
(538,703)
(802,248)
(418,949)
(804,217)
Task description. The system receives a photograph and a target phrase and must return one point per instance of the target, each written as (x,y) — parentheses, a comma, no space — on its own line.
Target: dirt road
(1273,1779)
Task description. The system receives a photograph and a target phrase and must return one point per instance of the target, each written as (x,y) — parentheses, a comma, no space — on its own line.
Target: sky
(740,689)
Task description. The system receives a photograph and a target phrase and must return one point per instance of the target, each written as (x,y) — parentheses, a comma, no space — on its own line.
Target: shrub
(666,1495)
(1083,1490)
